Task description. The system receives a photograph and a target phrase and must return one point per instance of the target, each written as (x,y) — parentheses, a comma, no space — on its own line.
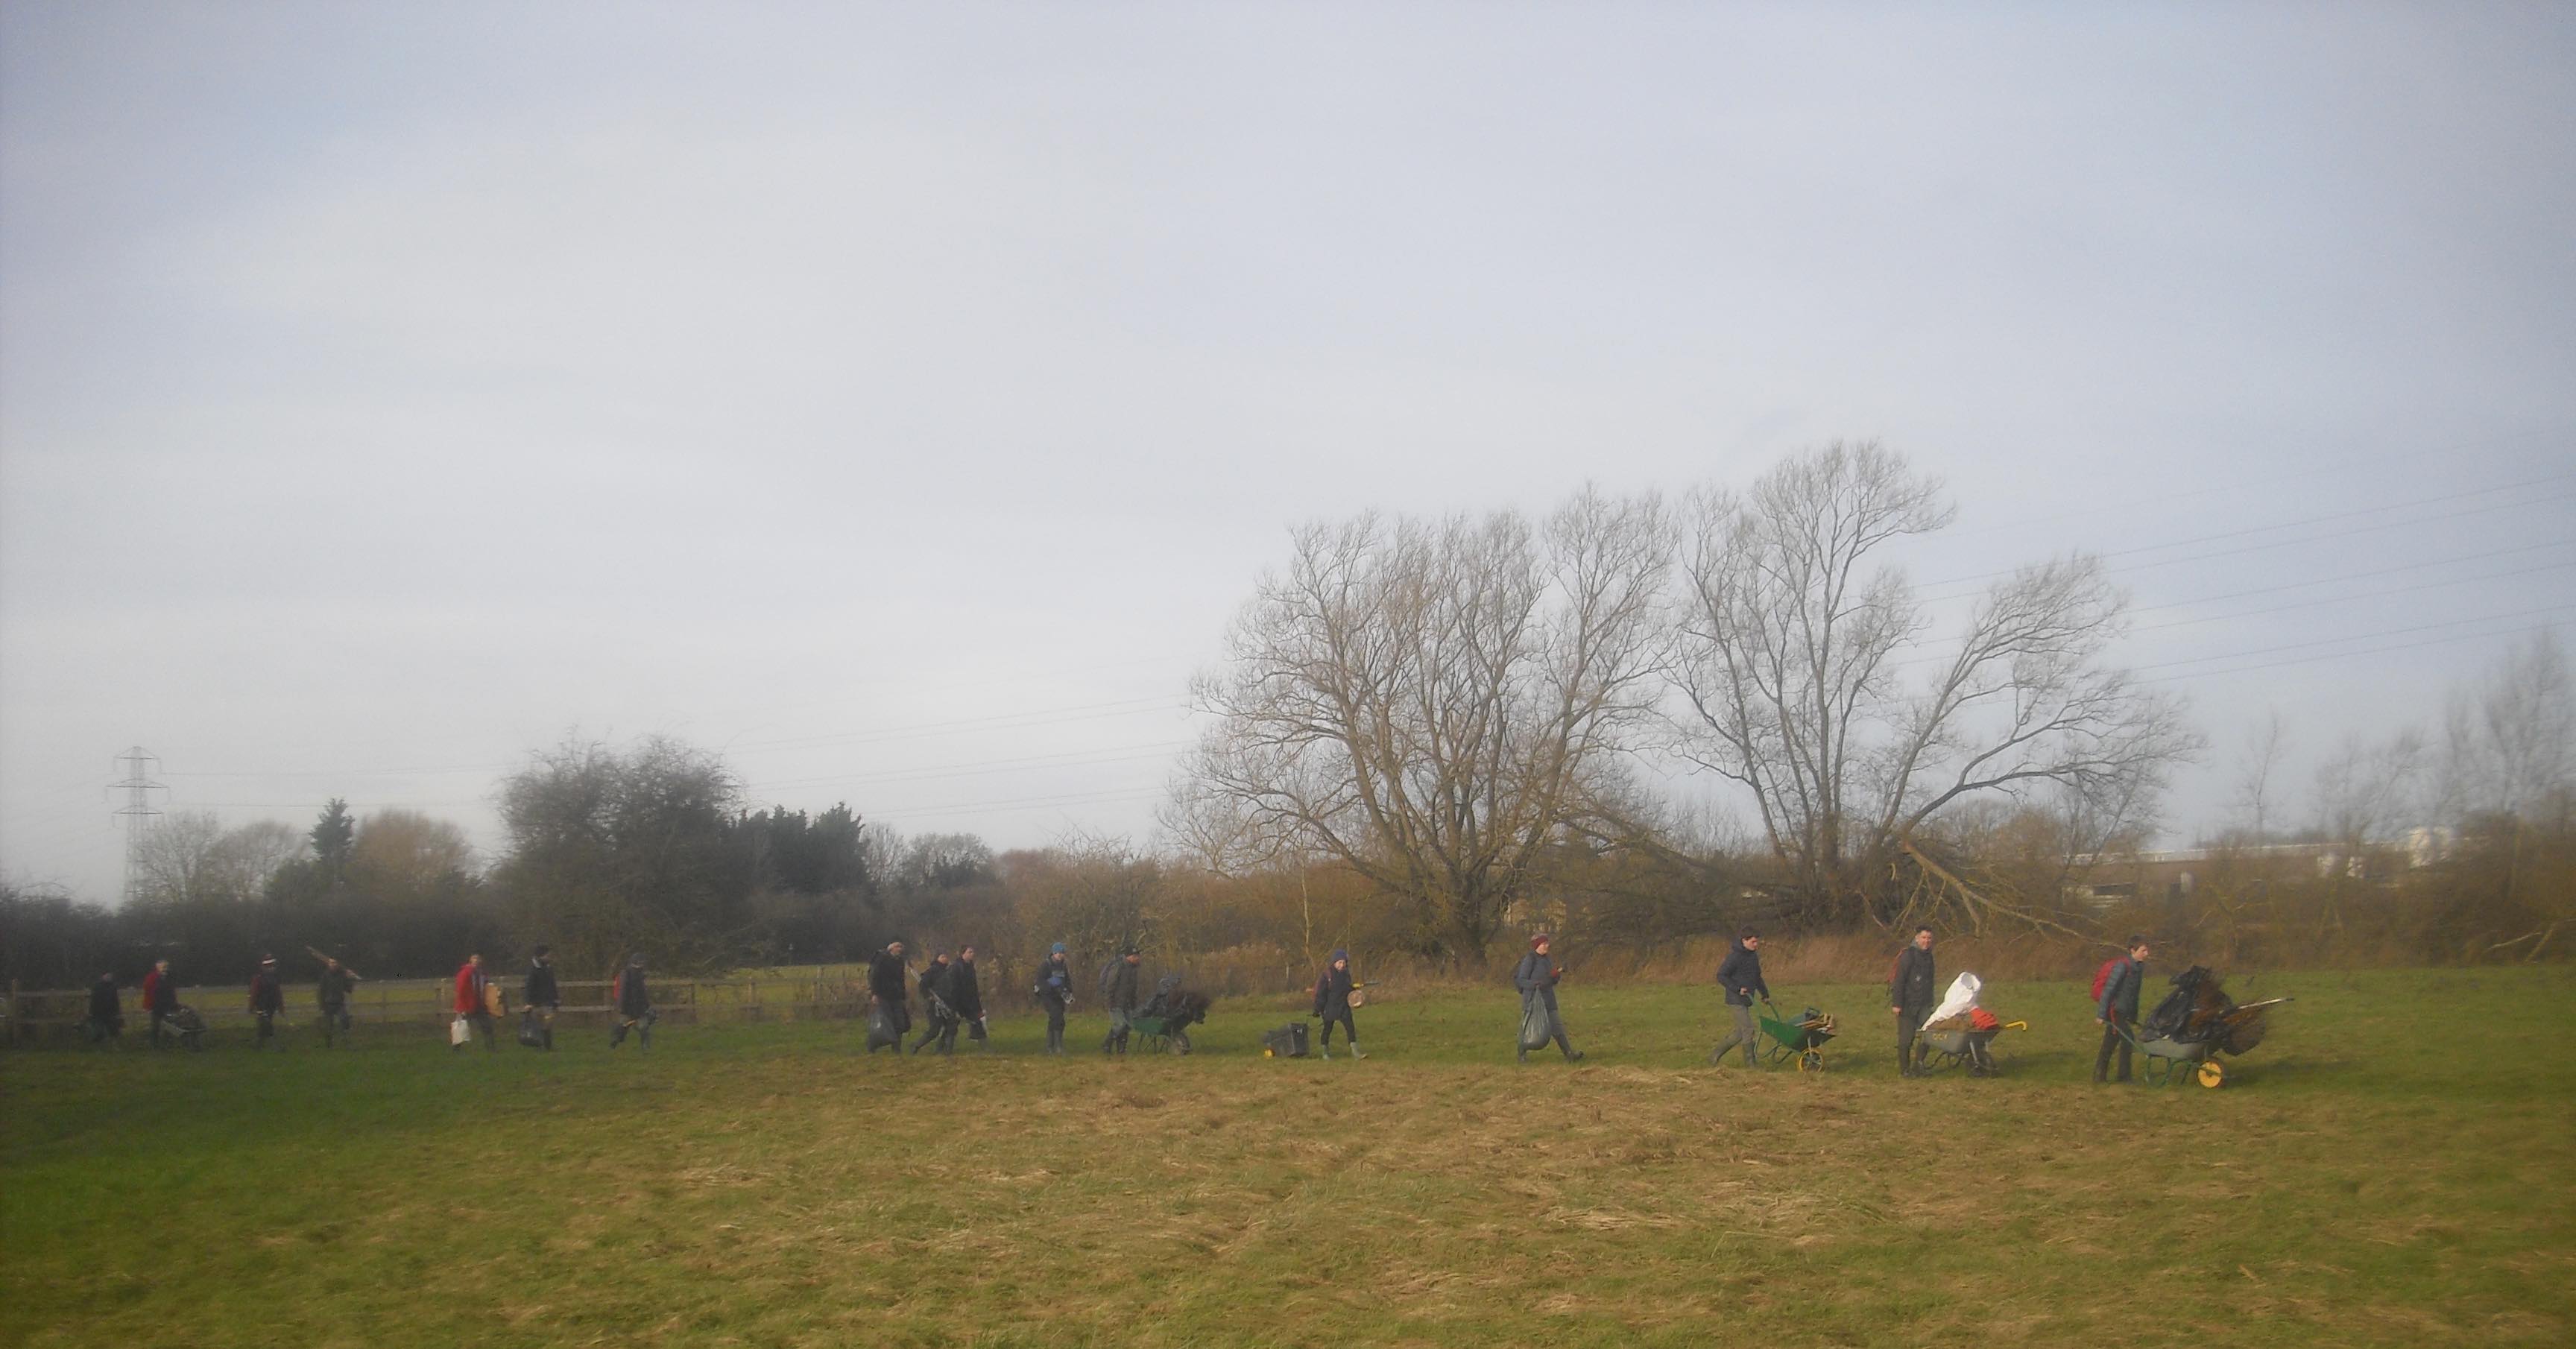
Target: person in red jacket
(160,998)
(472,1002)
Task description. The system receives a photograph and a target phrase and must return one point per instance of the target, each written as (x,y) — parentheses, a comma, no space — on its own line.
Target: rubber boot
(617,1036)
(548,1036)
(1355,1050)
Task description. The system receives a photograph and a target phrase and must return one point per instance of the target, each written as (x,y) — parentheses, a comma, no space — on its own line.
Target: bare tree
(2365,790)
(190,858)
(2510,744)
(1427,702)
(2266,745)
(1792,653)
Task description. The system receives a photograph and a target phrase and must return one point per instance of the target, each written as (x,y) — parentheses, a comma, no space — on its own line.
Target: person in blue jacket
(2118,1010)
(1536,977)
(1739,977)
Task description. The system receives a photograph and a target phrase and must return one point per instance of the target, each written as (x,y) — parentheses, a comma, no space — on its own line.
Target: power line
(2342,655)
(2276,543)
(1068,759)
(2346,599)
(2359,637)
(2362,576)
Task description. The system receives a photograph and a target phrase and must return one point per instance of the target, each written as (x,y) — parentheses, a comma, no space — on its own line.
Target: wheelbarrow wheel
(1811,1062)
(2211,1075)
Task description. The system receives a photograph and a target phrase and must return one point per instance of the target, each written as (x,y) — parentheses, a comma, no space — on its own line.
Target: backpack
(2102,978)
(1109,974)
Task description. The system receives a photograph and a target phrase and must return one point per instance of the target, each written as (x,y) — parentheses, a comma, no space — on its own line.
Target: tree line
(1424,733)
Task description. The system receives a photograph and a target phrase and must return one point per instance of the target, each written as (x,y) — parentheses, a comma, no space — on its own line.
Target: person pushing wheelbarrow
(1739,976)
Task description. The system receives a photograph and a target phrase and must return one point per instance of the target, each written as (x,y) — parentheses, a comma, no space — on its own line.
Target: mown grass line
(2392,1167)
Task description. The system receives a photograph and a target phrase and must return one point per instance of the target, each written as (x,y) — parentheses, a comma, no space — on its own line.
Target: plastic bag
(1536,1029)
(881,1030)
(1961,997)
(459,1031)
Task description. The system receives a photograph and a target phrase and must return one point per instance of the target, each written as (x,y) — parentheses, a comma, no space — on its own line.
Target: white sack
(1962,996)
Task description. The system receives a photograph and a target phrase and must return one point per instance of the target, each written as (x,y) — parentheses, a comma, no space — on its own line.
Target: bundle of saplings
(1181,1007)
(2198,1011)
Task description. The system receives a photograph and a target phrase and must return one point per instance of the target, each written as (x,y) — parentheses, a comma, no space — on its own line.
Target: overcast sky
(902,399)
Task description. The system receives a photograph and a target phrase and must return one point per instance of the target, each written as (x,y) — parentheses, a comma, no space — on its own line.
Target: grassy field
(2393,1167)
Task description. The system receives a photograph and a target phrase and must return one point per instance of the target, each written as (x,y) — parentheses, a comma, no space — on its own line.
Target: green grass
(2392,1167)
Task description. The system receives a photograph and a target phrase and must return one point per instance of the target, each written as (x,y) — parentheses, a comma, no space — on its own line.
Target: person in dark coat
(938,1017)
(1536,977)
(2118,1010)
(1911,995)
(1333,1003)
(542,995)
(967,998)
(1118,990)
(1739,978)
(267,999)
(634,1005)
(1054,992)
(160,998)
(886,990)
(331,993)
(106,1010)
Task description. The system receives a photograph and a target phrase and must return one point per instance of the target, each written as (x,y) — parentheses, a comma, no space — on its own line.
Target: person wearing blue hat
(1054,992)
(1333,1003)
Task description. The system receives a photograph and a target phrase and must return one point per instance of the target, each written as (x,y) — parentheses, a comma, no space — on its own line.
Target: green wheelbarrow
(1801,1039)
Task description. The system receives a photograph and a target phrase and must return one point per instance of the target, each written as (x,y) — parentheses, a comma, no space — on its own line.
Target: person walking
(1054,992)
(160,999)
(1333,1003)
(473,1003)
(1911,997)
(1118,990)
(634,1005)
(1739,978)
(1537,976)
(886,994)
(2117,1011)
(331,993)
(938,1019)
(106,1010)
(267,999)
(966,999)
(542,995)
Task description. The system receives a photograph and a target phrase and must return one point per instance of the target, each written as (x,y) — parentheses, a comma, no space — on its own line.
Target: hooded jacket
(1055,980)
(1740,974)
(103,1004)
(331,991)
(265,994)
(885,977)
(470,983)
(1912,989)
(1333,993)
(1536,977)
(634,998)
(542,990)
(1119,988)
(160,992)
(2120,992)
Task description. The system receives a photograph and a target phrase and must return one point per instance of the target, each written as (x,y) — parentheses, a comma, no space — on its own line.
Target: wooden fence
(41,1014)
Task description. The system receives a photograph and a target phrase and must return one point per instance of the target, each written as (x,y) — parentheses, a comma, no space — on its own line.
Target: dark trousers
(1116,1042)
(1741,1038)
(1909,1021)
(1055,1027)
(2111,1039)
(1342,1018)
(335,1021)
(153,1037)
(267,1029)
(482,1022)
(939,1029)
